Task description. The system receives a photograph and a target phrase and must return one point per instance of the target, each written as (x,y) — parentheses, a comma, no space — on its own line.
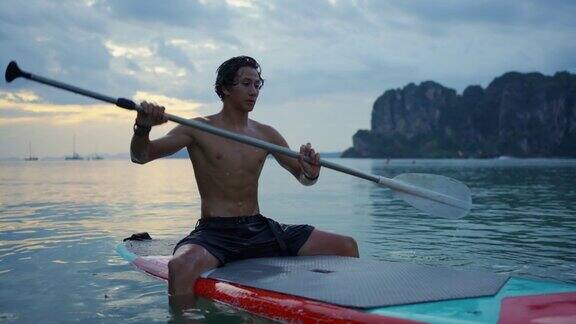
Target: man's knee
(190,262)
(350,247)
(181,265)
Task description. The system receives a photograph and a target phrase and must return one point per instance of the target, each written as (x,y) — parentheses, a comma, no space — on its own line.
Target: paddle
(437,195)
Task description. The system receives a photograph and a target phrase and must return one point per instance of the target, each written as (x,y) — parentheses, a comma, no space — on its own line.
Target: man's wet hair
(226,73)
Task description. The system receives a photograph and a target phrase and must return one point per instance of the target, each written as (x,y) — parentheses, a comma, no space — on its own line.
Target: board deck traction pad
(344,281)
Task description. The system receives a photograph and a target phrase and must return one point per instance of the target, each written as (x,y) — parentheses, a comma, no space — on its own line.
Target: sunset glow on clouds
(25,107)
(319,58)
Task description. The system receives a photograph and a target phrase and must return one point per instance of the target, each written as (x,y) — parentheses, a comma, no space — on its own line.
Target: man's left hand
(311,169)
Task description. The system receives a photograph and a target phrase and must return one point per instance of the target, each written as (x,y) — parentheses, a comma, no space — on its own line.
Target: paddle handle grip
(120,102)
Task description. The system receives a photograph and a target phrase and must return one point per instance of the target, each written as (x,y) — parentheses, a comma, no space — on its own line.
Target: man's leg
(324,243)
(187,264)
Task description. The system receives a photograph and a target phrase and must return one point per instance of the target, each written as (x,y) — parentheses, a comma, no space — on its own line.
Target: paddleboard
(340,289)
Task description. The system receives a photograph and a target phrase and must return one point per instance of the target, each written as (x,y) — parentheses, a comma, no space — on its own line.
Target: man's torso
(227,171)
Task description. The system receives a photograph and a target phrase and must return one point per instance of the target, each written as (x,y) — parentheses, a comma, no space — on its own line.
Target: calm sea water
(61,220)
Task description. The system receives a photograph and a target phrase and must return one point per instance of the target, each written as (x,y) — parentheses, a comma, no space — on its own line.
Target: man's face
(244,92)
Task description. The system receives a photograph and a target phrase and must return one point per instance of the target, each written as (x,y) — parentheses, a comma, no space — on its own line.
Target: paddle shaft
(131,105)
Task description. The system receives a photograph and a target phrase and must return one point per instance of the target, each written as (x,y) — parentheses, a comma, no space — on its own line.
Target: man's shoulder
(264,128)
(183,129)
(259,126)
(205,119)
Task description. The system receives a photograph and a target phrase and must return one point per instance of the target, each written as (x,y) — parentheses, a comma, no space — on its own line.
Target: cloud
(498,14)
(25,107)
(179,13)
(241,3)
(187,108)
(19,96)
(130,52)
(56,40)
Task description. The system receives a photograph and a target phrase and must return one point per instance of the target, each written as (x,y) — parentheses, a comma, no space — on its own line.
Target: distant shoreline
(328,156)
(182,154)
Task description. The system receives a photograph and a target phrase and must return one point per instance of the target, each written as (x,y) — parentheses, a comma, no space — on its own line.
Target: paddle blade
(12,72)
(434,194)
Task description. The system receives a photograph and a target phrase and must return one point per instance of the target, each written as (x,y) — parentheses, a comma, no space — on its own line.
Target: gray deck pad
(350,282)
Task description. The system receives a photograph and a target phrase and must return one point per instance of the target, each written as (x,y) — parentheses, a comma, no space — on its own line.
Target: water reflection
(111,197)
(522,223)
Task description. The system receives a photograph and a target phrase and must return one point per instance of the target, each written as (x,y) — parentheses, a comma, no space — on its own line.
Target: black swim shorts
(236,238)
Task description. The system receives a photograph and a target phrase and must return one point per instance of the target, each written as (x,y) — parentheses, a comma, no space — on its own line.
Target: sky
(325,62)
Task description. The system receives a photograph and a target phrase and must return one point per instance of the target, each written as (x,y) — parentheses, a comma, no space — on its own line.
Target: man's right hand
(154,115)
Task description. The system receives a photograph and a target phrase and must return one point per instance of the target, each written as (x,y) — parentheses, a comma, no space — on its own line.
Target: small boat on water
(96,156)
(30,157)
(74,156)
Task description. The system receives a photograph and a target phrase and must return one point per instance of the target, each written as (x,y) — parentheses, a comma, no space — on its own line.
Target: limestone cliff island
(517,115)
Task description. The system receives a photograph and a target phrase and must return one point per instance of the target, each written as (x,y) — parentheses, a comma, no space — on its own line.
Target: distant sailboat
(75,156)
(30,157)
(96,156)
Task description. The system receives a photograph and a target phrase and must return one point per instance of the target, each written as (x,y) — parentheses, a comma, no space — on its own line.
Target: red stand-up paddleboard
(337,289)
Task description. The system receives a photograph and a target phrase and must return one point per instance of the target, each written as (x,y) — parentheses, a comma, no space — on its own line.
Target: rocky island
(518,115)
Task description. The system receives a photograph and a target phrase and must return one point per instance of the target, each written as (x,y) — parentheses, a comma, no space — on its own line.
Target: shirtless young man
(231,227)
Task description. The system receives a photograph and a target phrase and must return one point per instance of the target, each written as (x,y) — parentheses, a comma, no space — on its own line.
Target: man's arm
(306,173)
(142,149)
